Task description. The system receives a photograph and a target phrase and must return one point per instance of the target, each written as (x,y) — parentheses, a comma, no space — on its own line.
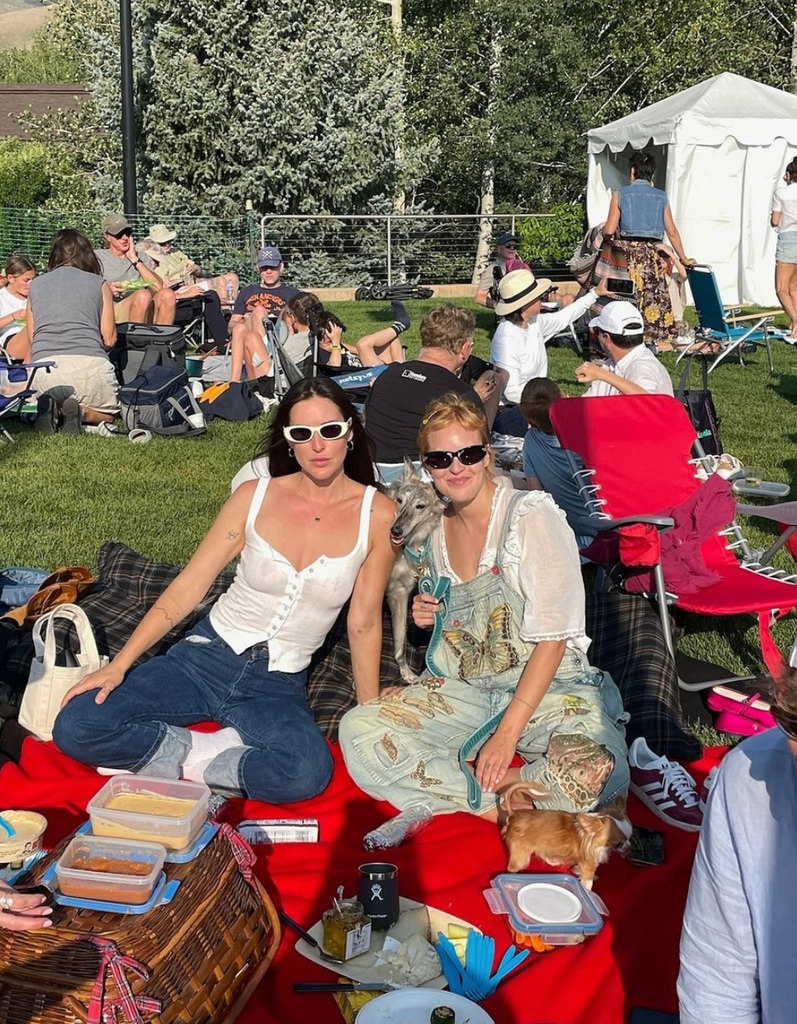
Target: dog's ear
(409,469)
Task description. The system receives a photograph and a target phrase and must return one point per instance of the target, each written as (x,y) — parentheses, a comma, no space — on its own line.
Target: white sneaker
(665,787)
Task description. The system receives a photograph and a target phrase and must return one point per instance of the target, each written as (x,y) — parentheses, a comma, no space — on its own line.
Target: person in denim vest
(639,217)
(506,667)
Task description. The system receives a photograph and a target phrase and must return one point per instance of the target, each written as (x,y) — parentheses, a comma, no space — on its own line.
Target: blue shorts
(786,251)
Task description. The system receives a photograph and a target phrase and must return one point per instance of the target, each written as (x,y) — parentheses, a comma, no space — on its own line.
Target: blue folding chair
(725,327)
(16,388)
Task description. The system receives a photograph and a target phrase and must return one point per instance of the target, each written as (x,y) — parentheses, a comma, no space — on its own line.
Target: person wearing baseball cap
(630,367)
(518,345)
(255,304)
(122,264)
(507,246)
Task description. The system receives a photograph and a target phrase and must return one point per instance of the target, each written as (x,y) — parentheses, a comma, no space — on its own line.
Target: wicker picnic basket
(195,960)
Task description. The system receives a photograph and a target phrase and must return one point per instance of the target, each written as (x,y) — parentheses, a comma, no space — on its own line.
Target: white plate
(415,1005)
(548,903)
(412,920)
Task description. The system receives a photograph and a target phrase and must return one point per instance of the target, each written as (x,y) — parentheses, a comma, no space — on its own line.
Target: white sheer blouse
(541,563)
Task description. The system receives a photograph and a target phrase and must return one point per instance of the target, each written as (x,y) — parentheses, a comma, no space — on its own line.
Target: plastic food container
(165,811)
(546,910)
(111,870)
(29,827)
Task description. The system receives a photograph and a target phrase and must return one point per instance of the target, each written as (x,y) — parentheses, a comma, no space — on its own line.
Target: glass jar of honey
(347,928)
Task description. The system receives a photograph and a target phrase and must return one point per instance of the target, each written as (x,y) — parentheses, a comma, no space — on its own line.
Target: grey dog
(418,511)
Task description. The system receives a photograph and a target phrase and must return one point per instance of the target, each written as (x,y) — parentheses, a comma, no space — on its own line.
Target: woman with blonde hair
(507,671)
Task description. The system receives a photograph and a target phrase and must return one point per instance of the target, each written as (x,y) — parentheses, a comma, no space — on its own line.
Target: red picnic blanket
(632,962)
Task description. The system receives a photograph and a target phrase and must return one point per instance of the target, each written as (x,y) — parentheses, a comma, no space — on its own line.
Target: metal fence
(216,245)
(347,251)
(319,250)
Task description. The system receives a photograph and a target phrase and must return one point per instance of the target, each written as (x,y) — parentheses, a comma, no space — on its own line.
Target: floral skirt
(641,263)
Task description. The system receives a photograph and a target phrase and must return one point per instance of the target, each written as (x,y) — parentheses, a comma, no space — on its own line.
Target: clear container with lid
(166,811)
(109,870)
(554,908)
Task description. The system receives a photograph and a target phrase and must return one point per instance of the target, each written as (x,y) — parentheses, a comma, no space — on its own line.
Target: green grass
(62,496)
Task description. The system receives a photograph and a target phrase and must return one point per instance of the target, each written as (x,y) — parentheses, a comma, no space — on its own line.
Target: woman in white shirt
(784,219)
(518,345)
(311,535)
(14,339)
(507,670)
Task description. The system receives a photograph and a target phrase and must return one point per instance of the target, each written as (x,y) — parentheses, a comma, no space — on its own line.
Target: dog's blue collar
(418,559)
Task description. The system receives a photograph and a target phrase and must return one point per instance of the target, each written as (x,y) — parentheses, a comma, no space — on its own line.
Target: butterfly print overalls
(410,749)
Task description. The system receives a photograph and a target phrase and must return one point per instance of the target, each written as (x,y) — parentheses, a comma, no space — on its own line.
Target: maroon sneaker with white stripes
(664,786)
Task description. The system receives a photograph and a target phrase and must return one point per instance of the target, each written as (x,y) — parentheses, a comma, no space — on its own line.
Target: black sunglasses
(512,245)
(122,234)
(469,456)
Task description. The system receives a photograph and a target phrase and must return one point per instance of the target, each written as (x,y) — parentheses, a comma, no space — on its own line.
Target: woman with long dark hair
(311,535)
(70,320)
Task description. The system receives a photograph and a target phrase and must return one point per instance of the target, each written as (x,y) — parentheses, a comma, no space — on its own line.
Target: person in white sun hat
(630,367)
(518,345)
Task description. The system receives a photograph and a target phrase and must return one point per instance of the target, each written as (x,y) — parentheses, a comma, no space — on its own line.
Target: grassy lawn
(62,496)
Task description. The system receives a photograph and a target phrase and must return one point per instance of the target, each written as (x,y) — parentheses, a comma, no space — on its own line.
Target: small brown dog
(581,841)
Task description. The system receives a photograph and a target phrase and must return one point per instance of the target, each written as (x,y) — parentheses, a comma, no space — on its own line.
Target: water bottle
(230,293)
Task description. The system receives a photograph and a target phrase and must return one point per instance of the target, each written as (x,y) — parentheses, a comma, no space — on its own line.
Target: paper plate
(548,903)
(415,1005)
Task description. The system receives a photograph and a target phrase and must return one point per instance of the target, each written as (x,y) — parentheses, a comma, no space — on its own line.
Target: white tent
(721,148)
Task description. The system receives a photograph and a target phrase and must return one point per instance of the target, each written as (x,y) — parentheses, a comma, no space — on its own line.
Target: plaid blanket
(626,633)
(628,643)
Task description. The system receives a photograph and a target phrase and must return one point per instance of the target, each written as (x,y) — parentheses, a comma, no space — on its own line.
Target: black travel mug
(378,892)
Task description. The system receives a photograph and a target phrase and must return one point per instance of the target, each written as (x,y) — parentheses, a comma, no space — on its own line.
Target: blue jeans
(510,420)
(199,679)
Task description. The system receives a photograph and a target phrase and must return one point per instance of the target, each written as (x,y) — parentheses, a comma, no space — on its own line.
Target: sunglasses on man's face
(121,234)
(332,431)
(512,246)
(469,456)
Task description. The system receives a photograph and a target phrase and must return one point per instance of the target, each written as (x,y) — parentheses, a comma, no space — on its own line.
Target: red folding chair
(638,458)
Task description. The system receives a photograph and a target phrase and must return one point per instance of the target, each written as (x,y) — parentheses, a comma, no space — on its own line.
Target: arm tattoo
(233,534)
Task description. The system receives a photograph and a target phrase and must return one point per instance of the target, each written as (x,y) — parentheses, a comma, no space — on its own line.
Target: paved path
(19,19)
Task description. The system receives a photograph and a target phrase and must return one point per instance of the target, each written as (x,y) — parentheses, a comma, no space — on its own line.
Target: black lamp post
(128,111)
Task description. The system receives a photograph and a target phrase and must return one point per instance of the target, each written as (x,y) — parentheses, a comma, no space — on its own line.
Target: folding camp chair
(287,372)
(16,389)
(637,454)
(725,327)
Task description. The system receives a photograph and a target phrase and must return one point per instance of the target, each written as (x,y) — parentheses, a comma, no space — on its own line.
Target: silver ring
(6,902)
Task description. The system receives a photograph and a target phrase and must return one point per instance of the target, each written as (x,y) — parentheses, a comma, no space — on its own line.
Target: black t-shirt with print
(397,401)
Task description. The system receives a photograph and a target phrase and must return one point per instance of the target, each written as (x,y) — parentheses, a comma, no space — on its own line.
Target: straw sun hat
(517,289)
